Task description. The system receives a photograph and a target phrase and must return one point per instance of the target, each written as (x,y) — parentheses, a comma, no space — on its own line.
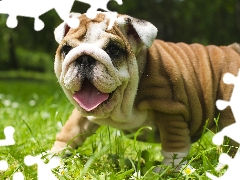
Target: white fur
(71,21)
(95,30)
(68,75)
(169,157)
(146,31)
(59,32)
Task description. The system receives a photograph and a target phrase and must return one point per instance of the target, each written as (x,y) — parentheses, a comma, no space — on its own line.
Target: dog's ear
(140,29)
(61,31)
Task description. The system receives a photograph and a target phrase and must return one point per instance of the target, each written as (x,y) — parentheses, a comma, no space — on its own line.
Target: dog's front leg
(74,132)
(175,138)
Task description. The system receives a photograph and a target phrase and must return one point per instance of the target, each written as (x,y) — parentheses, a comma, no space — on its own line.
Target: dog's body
(113,79)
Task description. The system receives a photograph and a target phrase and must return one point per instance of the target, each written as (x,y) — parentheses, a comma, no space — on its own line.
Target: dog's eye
(65,49)
(113,50)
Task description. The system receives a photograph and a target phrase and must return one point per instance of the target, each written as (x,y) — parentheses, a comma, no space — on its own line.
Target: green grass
(35,109)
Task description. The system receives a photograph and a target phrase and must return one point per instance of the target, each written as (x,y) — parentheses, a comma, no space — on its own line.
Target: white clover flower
(2,96)
(187,170)
(6,102)
(59,125)
(32,103)
(15,105)
(62,171)
(45,115)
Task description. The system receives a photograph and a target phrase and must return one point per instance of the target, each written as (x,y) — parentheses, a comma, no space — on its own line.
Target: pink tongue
(89,97)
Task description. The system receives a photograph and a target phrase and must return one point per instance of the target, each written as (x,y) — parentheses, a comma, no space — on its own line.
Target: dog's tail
(236,47)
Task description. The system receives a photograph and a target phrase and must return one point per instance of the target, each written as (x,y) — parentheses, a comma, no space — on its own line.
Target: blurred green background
(203,21)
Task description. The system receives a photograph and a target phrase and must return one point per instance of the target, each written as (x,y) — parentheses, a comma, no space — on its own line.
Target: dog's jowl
(124,78)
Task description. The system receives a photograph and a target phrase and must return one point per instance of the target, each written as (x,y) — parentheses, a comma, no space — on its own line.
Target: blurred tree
(207,22)
(11,53)
(215,22)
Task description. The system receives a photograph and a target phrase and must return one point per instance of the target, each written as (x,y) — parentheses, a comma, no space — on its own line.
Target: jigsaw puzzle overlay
(231,131)
(8,141)
(36,8)
(44,170)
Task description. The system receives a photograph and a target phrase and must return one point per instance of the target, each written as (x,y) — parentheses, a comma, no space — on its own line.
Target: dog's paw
(173,158)
(170,165)
(61,148)
(173,161)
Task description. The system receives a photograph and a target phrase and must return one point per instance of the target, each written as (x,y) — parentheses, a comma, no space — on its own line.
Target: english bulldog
(122,77)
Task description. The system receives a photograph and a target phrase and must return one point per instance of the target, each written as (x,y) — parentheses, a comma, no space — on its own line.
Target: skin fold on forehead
(132,31)
(89,27)
(94,31)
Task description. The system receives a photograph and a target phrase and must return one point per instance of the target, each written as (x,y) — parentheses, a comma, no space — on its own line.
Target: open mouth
(89,97)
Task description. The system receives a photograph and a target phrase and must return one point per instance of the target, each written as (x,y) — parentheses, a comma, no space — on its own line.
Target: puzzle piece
(36,8)
(8,132)
(44,170)
(3,165)
(18,176)
(233,167)
(100,4)
(231,131)
(97,4)
(234,100)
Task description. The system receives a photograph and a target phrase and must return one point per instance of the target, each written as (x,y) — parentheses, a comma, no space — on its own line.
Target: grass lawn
(38,108)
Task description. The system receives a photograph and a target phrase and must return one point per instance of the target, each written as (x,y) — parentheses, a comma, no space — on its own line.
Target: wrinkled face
(94,65)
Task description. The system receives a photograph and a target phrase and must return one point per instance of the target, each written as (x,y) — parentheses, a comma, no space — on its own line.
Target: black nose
(85,61)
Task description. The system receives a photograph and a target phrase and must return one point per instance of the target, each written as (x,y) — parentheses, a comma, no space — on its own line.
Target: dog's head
(99,67)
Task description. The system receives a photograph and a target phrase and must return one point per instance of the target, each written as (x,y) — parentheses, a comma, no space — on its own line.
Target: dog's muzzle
(85,65)
(88,72)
